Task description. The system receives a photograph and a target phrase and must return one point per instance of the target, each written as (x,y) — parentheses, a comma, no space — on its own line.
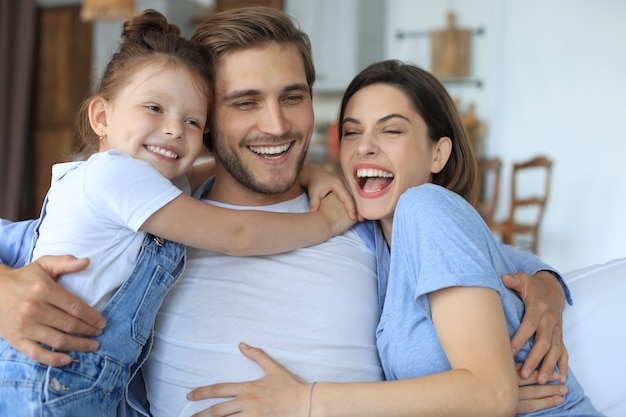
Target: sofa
(594,329)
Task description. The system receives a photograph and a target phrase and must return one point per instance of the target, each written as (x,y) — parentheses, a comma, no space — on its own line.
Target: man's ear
(97,111)
(442,151)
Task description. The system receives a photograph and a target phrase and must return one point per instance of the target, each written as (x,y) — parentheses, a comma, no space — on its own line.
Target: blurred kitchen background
(532,77)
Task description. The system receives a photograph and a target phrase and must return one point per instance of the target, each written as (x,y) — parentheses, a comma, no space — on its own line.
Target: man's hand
(543,317)
(35,309)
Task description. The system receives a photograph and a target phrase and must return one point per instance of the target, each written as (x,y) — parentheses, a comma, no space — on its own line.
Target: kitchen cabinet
(346,36)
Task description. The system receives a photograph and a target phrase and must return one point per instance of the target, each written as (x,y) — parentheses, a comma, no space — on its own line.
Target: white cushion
(594,329)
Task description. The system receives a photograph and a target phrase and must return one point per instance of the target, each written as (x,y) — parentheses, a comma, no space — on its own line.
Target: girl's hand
(334,210)
(320,183)
(278,394)
(534,396)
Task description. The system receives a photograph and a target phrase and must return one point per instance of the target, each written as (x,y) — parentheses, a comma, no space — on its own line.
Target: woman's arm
(288,395)
(482,381)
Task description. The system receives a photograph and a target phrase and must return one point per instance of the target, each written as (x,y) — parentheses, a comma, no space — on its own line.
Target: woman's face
(385,150)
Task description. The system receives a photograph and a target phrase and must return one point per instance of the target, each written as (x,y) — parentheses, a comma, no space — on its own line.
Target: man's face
(263,119)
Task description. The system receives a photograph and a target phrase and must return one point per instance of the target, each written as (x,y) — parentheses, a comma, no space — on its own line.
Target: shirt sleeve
(440,241)
(16,239)
(124,190)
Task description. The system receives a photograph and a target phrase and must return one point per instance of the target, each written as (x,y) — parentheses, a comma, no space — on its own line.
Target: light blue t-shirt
(440,241)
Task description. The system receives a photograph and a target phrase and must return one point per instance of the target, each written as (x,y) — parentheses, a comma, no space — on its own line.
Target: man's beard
(233,164)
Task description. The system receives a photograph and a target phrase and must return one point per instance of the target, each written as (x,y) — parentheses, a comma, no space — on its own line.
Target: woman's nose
(367,145)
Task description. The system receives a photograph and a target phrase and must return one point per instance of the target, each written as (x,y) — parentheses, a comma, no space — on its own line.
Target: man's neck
(228,190)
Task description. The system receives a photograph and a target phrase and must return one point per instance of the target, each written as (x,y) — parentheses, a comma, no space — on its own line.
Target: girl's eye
(154,107)
(193,123)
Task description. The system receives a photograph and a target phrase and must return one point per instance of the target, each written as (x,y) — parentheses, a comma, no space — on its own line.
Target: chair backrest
(536,174)
(489,177)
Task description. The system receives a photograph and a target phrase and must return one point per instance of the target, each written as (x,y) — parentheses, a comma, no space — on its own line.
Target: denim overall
(95,383)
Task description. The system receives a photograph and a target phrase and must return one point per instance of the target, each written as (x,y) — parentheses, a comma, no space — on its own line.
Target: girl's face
(158,117)
(385,150)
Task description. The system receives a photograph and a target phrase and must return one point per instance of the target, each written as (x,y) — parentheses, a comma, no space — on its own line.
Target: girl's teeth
(161,151)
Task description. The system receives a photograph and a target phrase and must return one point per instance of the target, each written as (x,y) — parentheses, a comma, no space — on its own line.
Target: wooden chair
(489,178)
(527,208)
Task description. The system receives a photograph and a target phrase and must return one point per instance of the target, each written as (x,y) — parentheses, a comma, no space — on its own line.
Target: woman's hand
(543,317)
(534,397)
(35,309)
(278,394)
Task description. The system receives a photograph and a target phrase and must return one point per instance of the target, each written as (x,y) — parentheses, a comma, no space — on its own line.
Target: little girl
(120,209)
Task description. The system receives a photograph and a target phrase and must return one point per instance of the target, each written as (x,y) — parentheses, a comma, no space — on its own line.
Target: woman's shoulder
(431,195)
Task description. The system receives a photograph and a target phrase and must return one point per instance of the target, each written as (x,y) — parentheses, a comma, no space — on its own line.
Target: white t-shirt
(314,310)
(95,211)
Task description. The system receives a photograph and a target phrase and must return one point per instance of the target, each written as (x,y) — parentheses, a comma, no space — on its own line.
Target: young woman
(121,209)
(443,336)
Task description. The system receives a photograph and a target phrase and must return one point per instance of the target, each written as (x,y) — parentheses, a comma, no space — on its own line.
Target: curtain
(18,38)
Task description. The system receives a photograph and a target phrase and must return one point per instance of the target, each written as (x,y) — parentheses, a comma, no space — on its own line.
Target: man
(314,310)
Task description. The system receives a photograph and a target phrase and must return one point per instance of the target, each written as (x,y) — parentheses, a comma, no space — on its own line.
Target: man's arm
(544,297)
(34,308)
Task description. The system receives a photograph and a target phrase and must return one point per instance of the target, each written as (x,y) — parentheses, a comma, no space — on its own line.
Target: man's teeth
(371,172)
(165,152)
(270,150)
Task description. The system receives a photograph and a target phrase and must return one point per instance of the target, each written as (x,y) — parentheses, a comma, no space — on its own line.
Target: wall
(553,83)
(553,73)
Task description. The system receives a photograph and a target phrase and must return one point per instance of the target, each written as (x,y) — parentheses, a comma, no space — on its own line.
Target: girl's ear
(442,151)
(98,115)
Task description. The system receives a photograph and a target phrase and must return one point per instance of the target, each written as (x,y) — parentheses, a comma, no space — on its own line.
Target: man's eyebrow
(236,94)
(296,87)
(241,93)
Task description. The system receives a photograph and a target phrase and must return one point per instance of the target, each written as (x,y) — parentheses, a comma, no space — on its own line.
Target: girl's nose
(174,128)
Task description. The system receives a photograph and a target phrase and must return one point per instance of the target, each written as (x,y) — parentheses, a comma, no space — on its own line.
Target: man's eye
(244,104)
(294,98)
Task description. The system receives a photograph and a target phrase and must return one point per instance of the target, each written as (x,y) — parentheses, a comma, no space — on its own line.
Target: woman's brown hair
(434,104)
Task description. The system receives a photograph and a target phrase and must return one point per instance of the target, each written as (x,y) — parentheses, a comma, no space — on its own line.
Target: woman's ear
(442,151)
(98,115)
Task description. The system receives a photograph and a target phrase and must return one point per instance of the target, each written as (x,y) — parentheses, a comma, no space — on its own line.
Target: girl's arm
(246,232)
(481,383)
(320,183)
